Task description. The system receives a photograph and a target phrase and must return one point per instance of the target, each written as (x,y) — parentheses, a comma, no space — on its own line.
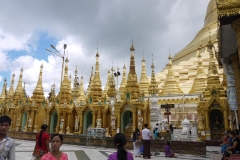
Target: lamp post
(116,74)
(57,53)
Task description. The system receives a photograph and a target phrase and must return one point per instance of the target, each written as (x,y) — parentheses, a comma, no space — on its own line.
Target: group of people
(42,149)
(231,142)
(145,141)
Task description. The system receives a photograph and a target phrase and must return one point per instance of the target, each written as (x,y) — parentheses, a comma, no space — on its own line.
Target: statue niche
(216,120)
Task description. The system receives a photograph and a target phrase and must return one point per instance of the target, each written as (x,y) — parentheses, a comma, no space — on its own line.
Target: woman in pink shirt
(121,154)
(55,154)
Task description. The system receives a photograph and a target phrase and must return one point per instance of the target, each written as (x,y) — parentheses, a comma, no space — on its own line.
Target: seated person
(169,151)
(225,142)
(235,144)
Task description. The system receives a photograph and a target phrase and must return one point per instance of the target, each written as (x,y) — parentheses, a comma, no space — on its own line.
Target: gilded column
(144,117)
(35,123)
(64,125)
(118,119)
(226,119)
(148,121)
(94,119)
(236,69)
(134,120)
(14,121)
(99,114)
(58,122)
(68,126)
(81,123)
(104,120)
(48,120)
(207,119)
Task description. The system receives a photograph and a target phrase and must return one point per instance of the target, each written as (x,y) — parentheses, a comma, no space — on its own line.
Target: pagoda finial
(132,48)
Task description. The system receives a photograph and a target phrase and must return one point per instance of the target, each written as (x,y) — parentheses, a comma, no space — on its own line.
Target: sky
(27,28)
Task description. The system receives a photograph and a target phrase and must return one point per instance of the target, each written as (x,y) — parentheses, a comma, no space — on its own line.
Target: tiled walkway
(24,151)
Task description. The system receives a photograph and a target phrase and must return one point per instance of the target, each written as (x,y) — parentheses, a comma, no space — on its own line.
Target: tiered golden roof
(171,85)
(132,86)
(143,82)
(200,81)
(224,82)
(96,86)
(153,87)
(65,90)
(213,83)
(38,94)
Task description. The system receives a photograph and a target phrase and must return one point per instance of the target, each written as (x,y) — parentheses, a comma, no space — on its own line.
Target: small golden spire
(171,85)
(38,93)
(124,79)
(96,85)
(112,89)
(19,89)
(105,92)
(143,82)
(4,90)
(11,90)
(132,81)
(199,82)
(153,87)
(213,80)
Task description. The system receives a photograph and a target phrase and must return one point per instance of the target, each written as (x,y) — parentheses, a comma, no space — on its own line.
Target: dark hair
(233,133)
(43,128)
(236,132)
(168,143)
(57,135)
(137,130)
(145,125)
(120,141)
(5,119)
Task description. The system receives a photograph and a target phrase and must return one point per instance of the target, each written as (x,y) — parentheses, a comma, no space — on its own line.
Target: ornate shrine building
(192,80)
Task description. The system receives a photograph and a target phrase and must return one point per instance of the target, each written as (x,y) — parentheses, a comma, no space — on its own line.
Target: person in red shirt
(42,143)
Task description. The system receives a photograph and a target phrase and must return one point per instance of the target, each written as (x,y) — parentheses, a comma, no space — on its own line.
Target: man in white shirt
(146,135)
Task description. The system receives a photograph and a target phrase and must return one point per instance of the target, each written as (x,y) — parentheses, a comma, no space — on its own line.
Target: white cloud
(155,26)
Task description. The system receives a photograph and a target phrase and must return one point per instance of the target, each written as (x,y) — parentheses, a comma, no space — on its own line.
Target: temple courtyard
(24,151)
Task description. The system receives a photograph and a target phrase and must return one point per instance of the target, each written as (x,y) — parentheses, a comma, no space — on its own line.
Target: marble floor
(24,151)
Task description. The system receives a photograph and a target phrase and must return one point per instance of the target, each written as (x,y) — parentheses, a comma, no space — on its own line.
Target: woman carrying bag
(136,142)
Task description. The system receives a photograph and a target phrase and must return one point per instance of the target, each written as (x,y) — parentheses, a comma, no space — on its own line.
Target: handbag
(137,142)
